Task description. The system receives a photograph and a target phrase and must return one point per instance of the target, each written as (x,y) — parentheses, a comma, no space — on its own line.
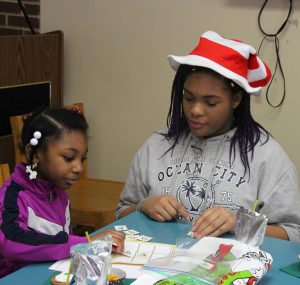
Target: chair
(93,201)
(4,173)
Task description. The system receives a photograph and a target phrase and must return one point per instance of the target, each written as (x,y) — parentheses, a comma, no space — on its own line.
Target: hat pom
(259,74)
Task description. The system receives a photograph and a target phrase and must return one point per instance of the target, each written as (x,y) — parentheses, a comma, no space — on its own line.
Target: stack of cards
(132,234)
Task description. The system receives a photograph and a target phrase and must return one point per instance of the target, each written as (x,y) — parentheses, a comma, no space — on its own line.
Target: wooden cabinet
(28,59)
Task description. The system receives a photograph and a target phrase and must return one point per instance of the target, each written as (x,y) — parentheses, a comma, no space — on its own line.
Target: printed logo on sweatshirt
(194,168)
(195,195)
(193,189)
(191,194)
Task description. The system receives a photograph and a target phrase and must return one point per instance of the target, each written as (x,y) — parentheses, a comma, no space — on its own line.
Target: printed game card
(131,232)
(121,228)
(144,238)
(132,237)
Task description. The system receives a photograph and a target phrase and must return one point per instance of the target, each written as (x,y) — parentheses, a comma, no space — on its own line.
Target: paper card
(121,228)
(131,232)
(144,238)
(61,265)
(132,237)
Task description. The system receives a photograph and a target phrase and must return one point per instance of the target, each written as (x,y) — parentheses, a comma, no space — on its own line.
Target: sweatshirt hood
(224,137)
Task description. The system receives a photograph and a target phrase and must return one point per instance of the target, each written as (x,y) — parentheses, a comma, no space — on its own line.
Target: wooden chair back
(17,123)
(4,173)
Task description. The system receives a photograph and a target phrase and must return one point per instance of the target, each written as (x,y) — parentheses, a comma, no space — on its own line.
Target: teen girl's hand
(163,208)
(214,222)
(117,239)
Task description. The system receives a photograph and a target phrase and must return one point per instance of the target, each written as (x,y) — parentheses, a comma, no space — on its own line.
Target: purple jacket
(35,222)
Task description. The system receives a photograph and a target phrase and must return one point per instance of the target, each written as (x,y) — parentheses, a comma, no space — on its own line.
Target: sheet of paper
(61,265)
(141,252)
(148,278)
(132,271)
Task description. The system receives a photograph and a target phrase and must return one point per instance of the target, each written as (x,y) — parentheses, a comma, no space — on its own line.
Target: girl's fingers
(118,245)
(179,209)
(164,215)
(214,222)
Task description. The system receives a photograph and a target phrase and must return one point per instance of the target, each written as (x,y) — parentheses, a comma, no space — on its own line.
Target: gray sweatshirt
(199,173)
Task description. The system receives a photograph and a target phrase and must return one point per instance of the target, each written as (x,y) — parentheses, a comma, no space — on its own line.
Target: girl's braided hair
(51,123)
(248,133)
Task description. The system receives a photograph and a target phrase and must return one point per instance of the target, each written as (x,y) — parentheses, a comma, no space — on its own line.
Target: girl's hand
(163,208)
(214,222)
(118,240)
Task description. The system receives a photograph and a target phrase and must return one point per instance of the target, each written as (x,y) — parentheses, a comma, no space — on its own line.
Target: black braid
(51,123)
(248,132)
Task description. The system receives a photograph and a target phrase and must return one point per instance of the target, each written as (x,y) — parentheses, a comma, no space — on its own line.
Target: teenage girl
(214,157)
(34,206)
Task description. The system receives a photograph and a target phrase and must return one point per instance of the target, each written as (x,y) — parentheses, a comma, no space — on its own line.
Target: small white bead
(33,141)
(37,135)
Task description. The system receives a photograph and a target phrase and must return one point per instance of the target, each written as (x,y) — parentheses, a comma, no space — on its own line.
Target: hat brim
(195,60)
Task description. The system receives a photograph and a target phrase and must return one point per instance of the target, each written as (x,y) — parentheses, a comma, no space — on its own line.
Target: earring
(31,170)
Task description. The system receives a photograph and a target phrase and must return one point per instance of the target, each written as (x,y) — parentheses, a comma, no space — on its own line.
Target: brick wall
(12,20)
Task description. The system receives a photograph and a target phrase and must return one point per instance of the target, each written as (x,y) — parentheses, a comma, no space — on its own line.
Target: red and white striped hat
(231,58)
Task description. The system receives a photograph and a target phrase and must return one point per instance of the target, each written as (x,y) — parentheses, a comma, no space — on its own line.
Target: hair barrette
(26,116)
(76,110)
(35,140)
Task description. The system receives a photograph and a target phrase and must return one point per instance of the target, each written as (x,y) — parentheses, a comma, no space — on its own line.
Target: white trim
(196,60)
(42,225)
(68,218)
(242,48)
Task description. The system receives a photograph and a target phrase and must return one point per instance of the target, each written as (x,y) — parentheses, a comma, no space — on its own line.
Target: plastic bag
(91,262)
(213,261)
(250,227)
(186,267)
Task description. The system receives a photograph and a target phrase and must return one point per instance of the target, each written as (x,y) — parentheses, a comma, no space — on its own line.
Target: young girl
(35,217)
(214,158)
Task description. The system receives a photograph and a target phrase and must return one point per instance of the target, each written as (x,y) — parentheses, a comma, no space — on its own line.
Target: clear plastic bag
(212,261)
(250,227)
(185,242)
(186,267)
(91,262)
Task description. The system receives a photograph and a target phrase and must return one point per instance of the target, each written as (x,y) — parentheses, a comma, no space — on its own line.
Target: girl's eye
(211,104)
(188,97)
(68,158)
(83,159)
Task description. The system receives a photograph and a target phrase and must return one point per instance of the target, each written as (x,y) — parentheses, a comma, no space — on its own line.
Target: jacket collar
(40,187)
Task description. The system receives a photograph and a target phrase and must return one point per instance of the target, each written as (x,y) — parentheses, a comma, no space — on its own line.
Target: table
(283,252)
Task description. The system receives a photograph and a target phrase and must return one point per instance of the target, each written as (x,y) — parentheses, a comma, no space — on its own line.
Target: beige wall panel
(115,63)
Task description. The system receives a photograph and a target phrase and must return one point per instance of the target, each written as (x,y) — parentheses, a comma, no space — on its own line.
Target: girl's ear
(236,99)
(28,151)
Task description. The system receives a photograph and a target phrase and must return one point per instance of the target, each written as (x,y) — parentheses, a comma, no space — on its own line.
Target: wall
(115,62)
(12,21)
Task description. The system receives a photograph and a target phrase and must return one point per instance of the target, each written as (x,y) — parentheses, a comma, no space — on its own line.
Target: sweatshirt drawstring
(173,182)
